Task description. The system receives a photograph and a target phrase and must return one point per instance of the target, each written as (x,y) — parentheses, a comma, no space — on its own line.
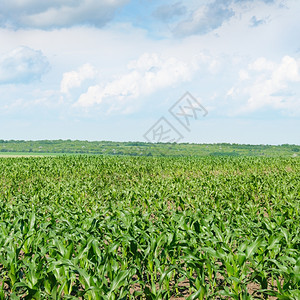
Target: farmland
(110,227)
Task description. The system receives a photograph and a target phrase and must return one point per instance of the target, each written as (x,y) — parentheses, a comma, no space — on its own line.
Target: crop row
(149,228)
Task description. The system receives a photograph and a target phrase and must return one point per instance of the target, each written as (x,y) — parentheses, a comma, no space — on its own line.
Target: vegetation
(108,227)
(144,149)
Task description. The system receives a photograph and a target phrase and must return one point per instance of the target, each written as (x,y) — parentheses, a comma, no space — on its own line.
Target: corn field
(94,227)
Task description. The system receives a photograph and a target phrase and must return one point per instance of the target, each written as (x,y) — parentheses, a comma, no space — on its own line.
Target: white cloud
(288,70)
(57,13)
(243,75)
(22,65)
(271,85)
(74,79)
(145,76)
(262,64)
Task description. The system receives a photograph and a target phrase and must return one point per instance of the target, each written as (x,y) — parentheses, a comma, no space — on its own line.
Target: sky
(207,71)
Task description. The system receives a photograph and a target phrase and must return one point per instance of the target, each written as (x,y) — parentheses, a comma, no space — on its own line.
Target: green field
(109,227)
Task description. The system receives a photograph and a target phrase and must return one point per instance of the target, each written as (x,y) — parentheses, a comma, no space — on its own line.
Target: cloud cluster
(74,79)
(269,85)
(49,14)
(145,76)
(22,65)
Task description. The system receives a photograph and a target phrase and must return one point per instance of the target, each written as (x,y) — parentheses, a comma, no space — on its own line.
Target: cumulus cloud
(167,12)
(272,85)
(145,76)
(22,65)
(57,13)
(205,19)
(74,79)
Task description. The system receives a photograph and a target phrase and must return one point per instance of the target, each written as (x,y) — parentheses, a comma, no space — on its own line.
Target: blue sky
(108,70)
